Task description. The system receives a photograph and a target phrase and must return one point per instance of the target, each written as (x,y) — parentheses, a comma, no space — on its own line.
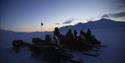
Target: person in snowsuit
(91,39)
(69,35)
(57,32)
(75,34)
(57,36)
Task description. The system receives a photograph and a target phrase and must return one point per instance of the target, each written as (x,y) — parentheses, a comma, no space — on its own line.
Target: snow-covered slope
(6,37)
(99,24)
(113,53)
(109,32)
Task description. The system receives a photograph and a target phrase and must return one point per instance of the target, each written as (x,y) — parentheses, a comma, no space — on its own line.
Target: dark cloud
(121,14)
(68,21)
(114,15)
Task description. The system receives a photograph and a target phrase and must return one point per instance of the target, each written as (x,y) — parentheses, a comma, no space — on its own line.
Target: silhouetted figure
(91,40)
(75,34)
(56,41)
(89,37)
(48,39)
(82,36)
(89,32)
(57,32)
(69,35)
(17,44)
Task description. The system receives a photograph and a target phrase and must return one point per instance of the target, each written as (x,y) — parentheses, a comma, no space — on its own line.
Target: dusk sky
(27,15)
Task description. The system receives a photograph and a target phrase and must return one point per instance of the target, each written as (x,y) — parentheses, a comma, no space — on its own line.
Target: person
(91,40)
(75,35)
(82,36)
(69,35)
(56,32)
(48,39)
(89,33)
(56,41)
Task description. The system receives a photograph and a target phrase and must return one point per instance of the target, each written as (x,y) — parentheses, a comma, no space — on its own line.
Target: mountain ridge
(98,24)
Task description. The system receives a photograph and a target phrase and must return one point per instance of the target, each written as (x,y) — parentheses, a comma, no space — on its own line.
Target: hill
(99,24)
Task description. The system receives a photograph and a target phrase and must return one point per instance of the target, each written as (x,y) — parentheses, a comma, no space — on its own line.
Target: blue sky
(26,15)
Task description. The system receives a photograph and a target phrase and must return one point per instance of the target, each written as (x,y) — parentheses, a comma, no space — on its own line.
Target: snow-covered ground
(113,53)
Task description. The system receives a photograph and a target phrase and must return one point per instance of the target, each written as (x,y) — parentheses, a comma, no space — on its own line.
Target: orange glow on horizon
(47,28)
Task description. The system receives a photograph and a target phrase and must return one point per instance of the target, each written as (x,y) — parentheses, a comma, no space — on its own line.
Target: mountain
(2,30)
(99,24)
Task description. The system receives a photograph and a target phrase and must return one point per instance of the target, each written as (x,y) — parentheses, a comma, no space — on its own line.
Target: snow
(6,38)
(113,53)
(9,56)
